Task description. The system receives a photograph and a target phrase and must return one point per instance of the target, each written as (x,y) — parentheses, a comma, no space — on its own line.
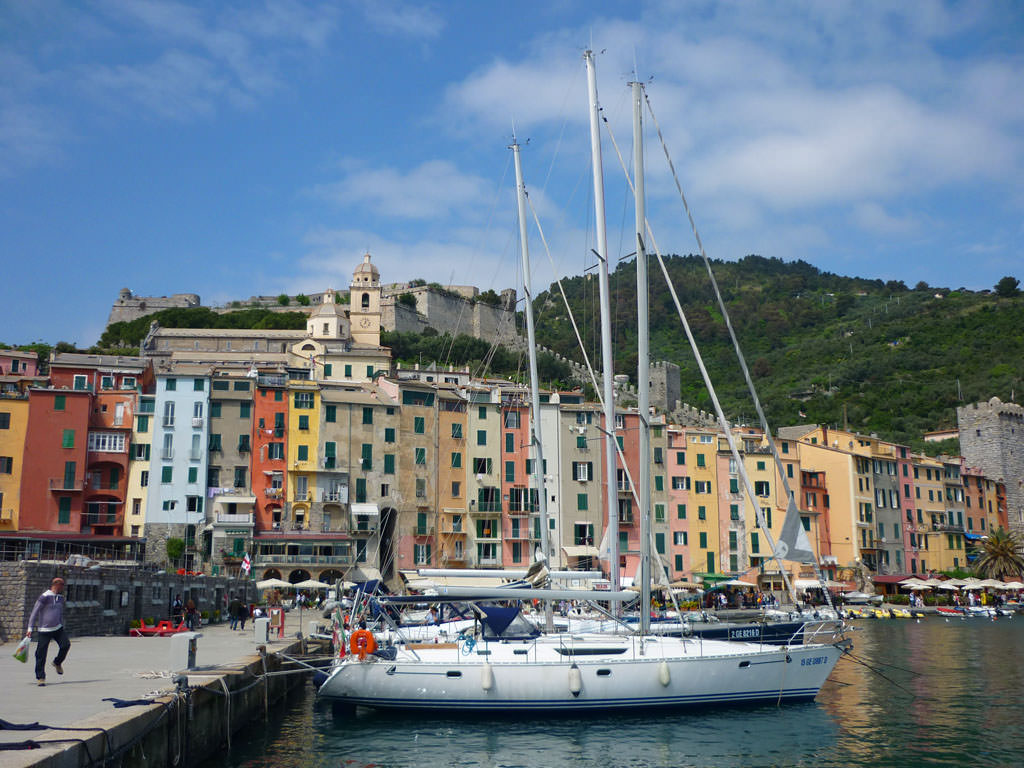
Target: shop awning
(365,509)
(581,551)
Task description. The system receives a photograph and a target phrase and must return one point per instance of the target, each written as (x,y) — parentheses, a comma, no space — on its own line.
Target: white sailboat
(507,664)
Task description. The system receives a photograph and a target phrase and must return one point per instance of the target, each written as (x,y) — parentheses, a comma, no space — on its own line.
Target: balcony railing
(273,493)
(424,530)
(305,559)
(167,453)
(271,380)
(66,484)
(488,506)
(333,496)
(234,519)
(96,519)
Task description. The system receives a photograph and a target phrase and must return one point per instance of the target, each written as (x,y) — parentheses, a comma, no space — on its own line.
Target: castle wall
(129,307)
(992,438)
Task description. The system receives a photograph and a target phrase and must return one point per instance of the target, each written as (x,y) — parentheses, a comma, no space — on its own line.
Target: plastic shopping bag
(21,652)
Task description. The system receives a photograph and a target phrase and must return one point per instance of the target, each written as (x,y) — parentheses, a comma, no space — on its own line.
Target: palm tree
(1001,555)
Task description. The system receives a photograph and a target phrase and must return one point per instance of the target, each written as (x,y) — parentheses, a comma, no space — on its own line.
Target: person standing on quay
(49,613)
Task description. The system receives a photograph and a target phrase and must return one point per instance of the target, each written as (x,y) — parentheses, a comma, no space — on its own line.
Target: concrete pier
(179,728)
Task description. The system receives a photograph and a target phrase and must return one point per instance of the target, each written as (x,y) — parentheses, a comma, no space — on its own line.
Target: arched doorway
(271,573)
(299,574)
(330,576)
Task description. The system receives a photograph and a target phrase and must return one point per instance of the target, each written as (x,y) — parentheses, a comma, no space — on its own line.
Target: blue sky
(239,148)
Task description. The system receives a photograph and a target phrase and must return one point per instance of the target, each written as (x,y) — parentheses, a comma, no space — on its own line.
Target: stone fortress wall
(992,439)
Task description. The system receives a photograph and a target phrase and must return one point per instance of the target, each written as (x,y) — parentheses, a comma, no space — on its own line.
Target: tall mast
(538,464)
(606,324)
(643,374)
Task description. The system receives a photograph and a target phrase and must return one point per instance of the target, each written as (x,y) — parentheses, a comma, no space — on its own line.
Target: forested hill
(899,360)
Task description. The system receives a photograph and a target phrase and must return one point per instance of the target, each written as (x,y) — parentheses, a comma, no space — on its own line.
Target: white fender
(487,677)
(664,676)
(575,680)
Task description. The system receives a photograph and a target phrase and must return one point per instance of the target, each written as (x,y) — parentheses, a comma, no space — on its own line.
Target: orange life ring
(362,643)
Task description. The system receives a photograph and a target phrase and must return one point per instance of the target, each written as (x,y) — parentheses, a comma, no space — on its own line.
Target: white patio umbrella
(949,586)
(956,582)
(992,583)
(911,583)
(933,582)
(272,584)
(1014,585)
(312,584)
(920,587)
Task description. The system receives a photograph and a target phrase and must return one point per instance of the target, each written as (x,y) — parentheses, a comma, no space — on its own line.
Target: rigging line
(882,675)
(597,390)
(569,88)
(722,421)
(732,334)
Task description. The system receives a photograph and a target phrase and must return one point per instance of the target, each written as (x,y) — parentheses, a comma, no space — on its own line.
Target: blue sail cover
(497,618)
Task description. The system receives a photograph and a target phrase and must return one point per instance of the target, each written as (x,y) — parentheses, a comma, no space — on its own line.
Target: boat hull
(451,681)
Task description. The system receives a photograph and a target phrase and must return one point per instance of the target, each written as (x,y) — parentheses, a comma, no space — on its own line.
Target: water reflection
(955,698)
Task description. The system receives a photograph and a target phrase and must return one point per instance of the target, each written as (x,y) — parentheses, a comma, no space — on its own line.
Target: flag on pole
(246,564)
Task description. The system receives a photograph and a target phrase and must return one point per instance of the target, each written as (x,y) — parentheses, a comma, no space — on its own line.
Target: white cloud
(873,218)
(403,19)
(430,190)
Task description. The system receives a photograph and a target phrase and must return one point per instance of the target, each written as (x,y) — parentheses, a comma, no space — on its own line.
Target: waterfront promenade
(115,667)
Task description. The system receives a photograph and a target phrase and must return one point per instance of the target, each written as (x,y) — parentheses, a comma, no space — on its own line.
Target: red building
(56,459)
(269,449)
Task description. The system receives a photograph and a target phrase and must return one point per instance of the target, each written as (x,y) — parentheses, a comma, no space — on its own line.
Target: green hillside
(816,342)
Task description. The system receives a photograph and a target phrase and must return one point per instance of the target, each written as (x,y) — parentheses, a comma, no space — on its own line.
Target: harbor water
(933,692)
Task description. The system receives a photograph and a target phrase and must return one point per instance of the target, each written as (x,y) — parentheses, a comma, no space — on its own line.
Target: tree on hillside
(1008,287)
(1001,556)
(283,300)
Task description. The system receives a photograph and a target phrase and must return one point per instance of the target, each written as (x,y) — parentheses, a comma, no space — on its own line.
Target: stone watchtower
(364,304)
(992,438)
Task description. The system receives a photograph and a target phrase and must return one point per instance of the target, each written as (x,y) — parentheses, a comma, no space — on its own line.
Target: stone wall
(992,439)
(129,306)
(103,600)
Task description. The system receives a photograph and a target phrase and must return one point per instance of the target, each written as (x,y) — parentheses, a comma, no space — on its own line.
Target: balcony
(271,380)
(274,493)
(66,484)
(451,531)
(626,518)
(197,422)
(6,515)
(236,519)
(423,530)
(168,422)
(486,506)
(305,560)
(167,453)
(334,497)
(100,520)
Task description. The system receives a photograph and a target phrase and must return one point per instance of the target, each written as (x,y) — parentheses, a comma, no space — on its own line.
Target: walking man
(49,614)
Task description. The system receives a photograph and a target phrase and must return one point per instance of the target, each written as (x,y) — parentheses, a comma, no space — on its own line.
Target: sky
(240,148)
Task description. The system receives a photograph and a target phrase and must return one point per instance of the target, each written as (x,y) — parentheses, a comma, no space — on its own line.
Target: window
(658,456)
(421,488)
(166,474)
(348,371)
(734,485)
(512,419)
(221,386)
(169,414)
(367,456)
(328,368)
(67,439)
(659,513)
(243,444)
(482,467)
(240,473)
(680,483)
(197,409)
(367,415)
(482,411)
(140,451)
(581,502)
(369,371)
(170,385)
(106,442)
(581,443)
(420,455)
(419,425)
(456,459)
(681,511)
(198,385)
(302,453)
(193,474)
(583,470)
(244,410)
(215,406)
(702,486)
(481,437)
(389,434)
(755,543)
(702,513)
(732,540)
(510,471)
(510,442)
(456,431)
(659,482)
(703,540)
(389,464)
(734,511)
(144,478)
(331,413)
(303,423)
(762,488)
(659,543)
(59,402)
(6,465)
(303,399)
(700,460)
(64,510)
(456,488)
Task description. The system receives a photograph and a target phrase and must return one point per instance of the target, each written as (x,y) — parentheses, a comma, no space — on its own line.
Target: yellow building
(705,524)
(139,468)
(13,428)
(302,457)
(936,544)
(452,473)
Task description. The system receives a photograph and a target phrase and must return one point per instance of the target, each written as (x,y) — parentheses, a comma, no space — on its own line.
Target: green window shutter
(328,368)
(60,402)
(702,513)
(367,415)
(456,431)
(244,409)
(69,474)
(681,511)
(703,540)
(348,371)
(215,409)
(510,442)
(215,442)
(330,450)
(330,413)
(304,423)
(481,437)
(755,545)
(64,510)
(732,540)
(456,460)
(659,483)
(659,543)
(711,562)
(483,412)
(510,471)
(193,474)
(734,485)
(197,385)
(171,385)
(369,371)
(166,474)
(700,460)
(679,562)
(389,434)
(581,502)
(303,453)
(421,456)
(421,521)
(360,490)
(581,442)
(367,456)
(279,395)
(618,439)
(389,463)
(68,439)
(143,423)
(418,425)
